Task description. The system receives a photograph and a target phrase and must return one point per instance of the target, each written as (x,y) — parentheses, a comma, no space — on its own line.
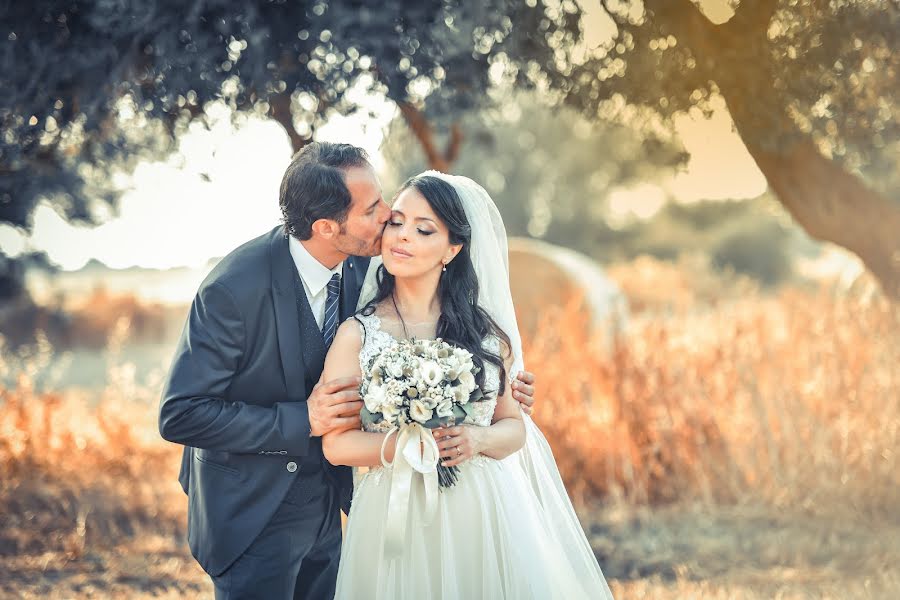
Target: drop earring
(445,267)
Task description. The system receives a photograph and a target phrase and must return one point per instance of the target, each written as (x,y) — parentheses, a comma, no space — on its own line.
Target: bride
(506,529)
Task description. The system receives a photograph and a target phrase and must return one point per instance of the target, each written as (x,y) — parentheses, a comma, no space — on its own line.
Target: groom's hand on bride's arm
(334,405)
(523,391)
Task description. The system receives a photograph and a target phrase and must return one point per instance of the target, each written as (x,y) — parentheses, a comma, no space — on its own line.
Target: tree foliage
(550,171)
(811,87)
(87,87)
(81,81)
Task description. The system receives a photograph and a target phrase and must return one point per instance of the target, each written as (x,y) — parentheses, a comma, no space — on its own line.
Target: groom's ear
(325,228)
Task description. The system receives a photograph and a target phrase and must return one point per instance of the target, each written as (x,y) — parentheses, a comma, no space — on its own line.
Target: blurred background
(705,204)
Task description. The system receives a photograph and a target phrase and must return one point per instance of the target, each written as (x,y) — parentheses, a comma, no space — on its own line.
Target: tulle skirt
(488,539)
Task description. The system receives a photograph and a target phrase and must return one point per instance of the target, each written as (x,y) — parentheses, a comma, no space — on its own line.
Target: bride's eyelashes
(396,224)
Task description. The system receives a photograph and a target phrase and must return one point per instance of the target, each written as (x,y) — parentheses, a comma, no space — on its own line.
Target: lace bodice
(376,340)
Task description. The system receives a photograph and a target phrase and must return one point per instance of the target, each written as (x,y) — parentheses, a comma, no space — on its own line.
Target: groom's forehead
(363,183)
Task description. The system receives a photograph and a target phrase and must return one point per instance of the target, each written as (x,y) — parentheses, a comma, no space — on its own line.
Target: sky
(220,190)
(221,187)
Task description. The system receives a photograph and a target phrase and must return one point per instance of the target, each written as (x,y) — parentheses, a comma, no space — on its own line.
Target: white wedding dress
(490,537)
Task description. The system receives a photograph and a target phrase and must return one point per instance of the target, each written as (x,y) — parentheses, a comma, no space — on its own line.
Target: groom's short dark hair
(314,186)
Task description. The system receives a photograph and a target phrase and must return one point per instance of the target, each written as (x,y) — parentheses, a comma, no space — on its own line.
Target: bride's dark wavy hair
(462,322)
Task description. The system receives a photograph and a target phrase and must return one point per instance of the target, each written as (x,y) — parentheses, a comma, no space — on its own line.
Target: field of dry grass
(743,448)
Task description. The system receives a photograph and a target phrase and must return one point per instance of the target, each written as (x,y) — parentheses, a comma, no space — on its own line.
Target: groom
(243,394)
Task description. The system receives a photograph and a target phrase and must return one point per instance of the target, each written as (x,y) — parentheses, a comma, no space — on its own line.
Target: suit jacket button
(291,467)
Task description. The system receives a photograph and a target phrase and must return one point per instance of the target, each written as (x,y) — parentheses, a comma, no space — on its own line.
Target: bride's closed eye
(397,224)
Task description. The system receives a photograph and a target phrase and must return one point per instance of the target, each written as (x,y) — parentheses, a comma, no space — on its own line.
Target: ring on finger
(458,451)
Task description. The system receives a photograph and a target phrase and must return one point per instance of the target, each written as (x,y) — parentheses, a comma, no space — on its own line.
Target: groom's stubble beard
(355,246)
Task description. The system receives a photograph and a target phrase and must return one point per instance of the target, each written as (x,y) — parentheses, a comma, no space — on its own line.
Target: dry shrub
(791,399)
(690,283)
(88,321)
(94,318)
(80,471)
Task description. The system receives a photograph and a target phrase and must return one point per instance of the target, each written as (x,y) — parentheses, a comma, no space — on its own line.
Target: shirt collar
(314,274)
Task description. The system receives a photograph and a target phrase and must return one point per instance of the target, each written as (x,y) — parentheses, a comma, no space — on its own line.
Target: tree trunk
(280,110)
(437,160)
(830,203)
(836,206)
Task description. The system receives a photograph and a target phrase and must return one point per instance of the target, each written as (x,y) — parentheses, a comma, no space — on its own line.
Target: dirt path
(155,567)
(661,554)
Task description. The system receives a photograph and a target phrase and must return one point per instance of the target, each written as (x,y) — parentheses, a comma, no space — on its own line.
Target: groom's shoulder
(247,266)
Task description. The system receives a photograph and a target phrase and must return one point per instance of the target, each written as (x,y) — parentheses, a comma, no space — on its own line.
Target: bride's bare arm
(505,435)
(350,447)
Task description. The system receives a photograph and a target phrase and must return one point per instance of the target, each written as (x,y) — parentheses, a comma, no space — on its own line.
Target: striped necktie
(329,328)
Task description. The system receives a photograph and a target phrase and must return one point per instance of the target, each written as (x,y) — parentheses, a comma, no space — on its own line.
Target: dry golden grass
(748,450)
(79,470)
(689,284)
(86,321)
(792,399)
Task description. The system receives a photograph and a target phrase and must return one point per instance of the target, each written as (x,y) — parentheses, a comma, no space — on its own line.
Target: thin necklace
(397,310)
(400,316)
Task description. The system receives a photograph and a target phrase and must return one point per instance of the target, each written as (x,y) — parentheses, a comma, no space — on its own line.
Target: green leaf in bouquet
(458,416)
(369,419)
(476,394)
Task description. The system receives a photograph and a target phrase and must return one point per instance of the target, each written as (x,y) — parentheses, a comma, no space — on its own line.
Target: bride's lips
(400,253)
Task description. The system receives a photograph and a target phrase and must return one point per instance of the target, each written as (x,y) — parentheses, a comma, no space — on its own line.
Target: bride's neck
(417,299)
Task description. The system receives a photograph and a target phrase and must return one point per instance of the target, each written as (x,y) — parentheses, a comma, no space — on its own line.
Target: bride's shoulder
(364,322)
(349,333)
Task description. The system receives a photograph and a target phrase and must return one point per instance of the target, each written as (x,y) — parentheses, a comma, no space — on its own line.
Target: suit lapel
(351,284)
(300,341)
(287,321)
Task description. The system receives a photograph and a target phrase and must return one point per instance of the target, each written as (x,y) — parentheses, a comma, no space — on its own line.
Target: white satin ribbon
(416,451)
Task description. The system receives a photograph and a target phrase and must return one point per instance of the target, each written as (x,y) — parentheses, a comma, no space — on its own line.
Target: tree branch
(422,130)
(834,205)
(685,20)
(280,110)
(453,144)
(751,19)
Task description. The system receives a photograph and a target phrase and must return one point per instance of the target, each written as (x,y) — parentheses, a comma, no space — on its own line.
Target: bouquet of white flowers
(427,382)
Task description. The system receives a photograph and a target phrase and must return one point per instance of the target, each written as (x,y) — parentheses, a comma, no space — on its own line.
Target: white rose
(460,395)
(419,412)
(445,408)
(430,373)
(467,380)
(395,370)
(466,365)
(390,412)
(375,398)
(453,364)
(430,400)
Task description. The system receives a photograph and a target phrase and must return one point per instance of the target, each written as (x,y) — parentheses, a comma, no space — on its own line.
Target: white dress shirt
(315,277)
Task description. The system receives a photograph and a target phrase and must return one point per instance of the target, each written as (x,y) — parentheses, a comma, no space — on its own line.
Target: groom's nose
(385,213)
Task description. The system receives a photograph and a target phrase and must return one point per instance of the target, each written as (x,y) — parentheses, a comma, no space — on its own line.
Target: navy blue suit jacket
(236,395)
